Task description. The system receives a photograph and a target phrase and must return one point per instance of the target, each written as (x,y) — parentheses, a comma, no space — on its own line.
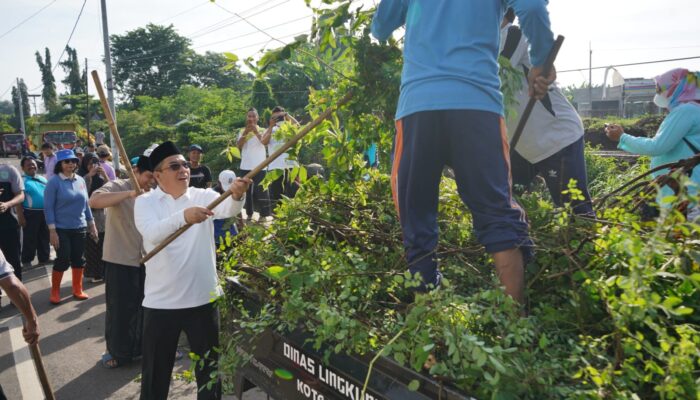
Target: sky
(618,31)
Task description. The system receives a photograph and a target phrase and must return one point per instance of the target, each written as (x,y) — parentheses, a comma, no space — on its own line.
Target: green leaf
(413,385)
(276,272)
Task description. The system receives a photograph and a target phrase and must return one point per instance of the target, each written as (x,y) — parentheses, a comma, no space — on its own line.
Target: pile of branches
(611,301)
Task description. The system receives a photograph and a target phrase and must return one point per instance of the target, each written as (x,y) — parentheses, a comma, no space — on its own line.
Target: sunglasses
(71,161)
(175,166)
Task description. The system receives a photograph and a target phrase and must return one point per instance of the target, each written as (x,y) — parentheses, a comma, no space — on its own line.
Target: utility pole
(34,96)
(21,110)
(590,77)
(110,81)
(87,103)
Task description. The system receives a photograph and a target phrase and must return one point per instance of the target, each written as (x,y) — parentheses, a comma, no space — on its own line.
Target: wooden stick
(549,63)
(254,172)
(41,371)
(115,132)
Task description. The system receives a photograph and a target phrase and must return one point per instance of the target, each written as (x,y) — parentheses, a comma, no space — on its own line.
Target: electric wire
(629,64)
(27,19)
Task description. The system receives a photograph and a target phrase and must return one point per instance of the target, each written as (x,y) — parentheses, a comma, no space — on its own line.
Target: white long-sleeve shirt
(183,274)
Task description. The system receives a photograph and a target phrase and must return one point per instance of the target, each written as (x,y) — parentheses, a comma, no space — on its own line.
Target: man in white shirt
(181,279)
(552,143)
(252,144)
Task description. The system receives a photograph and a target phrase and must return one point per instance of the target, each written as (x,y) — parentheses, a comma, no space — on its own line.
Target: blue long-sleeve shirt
(667,145)
(451,49)
(66,203)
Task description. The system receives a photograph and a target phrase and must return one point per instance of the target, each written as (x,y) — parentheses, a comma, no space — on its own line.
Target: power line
(70,36)
(200,32)
(272,38)
(58,61)
(27,19)
(145,57)
(630,64)
(183,12)
(5,92)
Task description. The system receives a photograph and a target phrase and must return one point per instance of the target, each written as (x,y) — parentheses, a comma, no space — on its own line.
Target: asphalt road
(71,341)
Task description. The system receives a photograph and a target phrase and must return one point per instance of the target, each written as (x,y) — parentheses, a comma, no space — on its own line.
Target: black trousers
(161,330)
(11,247)
(282,186)
(124,315)
(257,197)
(94,266)
(35,240)
(71,249)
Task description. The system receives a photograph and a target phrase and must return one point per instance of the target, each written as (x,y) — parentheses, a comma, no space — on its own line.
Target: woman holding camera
(69,219)
(252,142)
(95,177)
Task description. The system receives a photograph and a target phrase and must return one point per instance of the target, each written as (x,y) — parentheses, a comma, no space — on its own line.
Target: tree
(216,70)
(261,97)
(48,93)
(6,107)
(16,94)
(71,66)
(152,61)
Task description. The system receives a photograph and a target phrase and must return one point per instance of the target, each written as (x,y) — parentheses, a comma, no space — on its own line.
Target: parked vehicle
(11,144)
(61,139)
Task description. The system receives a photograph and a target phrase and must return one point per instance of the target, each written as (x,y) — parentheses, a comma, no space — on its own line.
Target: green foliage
(612,303)
(16,95)
(48,93)
(208,117)
(74,79)
(261,97)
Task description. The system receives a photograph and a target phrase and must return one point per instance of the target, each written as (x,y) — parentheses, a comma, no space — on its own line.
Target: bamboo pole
(115,132)
(41,371)
(303,132)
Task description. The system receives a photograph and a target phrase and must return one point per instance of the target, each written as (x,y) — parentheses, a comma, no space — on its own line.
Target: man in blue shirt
(450,112)
(35,231)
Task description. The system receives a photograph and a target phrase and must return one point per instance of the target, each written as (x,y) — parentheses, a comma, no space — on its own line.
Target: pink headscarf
(680,86)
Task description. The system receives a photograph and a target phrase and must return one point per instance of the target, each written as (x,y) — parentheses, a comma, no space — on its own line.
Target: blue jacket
(667,145)
(66,203)
(34,187)
(451,49)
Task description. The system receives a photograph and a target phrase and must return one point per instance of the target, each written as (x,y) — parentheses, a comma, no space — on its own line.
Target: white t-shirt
(5,267)
(549,129)
(281,162)
(183,274)
(253,152)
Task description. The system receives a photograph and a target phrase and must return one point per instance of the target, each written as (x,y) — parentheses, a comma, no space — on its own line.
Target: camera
(280,118)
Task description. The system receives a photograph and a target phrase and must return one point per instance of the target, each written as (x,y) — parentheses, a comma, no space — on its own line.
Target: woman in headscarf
(95,176)
(678,137)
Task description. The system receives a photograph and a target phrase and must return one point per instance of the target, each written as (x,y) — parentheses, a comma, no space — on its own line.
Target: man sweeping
(181,279)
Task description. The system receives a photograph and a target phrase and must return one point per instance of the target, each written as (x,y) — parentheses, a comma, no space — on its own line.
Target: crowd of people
(101,225)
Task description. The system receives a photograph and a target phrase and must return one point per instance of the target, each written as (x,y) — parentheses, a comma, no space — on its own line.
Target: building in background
(629,98)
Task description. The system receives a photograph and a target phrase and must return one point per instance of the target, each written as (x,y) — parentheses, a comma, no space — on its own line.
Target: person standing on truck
(552,143)
(181,279)
(450,112)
